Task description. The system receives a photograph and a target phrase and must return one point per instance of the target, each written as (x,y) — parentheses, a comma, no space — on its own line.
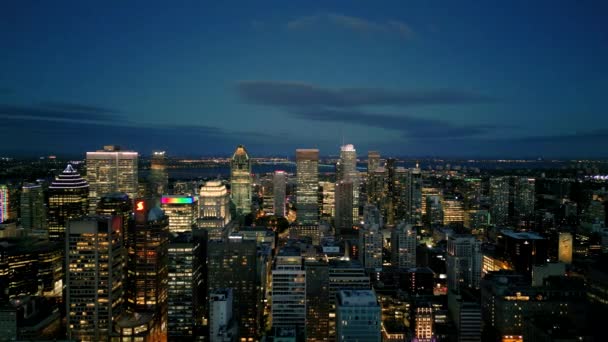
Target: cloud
(411,127)
(352,23)
(59,111)
(278,93)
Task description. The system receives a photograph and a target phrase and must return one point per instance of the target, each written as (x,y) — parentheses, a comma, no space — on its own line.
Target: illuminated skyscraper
(327,201)
(68,198)
(185,288)
(111,170)
(453,212)
(33,210)
(307,191)
(181,210)
(347,171)
(370,244)
(94,277)
(214,208)
(289,289)
(279,187)
(344,208)
(147,266)
(392,188)
(4,203)
(159,178)
(403,246)
(499,200)
(240,180)
(117,204)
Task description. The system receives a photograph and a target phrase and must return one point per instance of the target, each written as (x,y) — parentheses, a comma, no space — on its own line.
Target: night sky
(408,78)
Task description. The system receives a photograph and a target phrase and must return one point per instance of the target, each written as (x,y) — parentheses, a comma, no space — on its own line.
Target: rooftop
(522,235)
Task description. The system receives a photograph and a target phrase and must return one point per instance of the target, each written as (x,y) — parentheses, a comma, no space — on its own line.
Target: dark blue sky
(409,78)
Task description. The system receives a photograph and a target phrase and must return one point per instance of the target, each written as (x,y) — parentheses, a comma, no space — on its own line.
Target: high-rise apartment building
(523,200)
(94,277)
(434,210)
(181,210)
(240,180)
(33,210)
(463,262)
(185,293)
(289,289)
(111,170)
(499,200)
(279,188)
(358,316)
(68,198)
(233,264)
(403,246)
(307,187)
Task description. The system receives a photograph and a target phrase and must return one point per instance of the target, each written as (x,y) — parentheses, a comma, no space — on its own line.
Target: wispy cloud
(352,23)
(59,111)
(277,93)
(359,106)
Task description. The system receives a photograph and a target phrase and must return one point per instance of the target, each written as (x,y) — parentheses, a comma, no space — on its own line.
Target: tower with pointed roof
(68,198)
(240,180)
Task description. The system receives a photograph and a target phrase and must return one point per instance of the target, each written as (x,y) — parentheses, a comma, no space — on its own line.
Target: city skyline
(430,79)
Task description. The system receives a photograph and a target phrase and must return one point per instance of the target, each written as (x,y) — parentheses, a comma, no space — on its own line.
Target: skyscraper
(358,316)
(403,246)
(147,266)
(279,188)
(317,300)
(68,198)
(413,196)
(214,208)
(564,253)
(453,212)
(181,210)
(463,262)
(111,170)
(392,192)
(373,161)
(424,324)
(4,203)
(159,178)
(240,180)
(307,191)
(185,288)
(370,244)
(499,200)
(289,290)
(33,210)
(523,201)
(347,171)
(327,199)
(233,264)
(344,208)
(94,277)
